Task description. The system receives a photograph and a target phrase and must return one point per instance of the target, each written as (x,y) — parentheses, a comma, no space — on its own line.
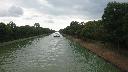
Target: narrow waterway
(50,54)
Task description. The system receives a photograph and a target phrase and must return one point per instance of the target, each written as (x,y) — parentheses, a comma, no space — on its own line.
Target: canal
(50,54)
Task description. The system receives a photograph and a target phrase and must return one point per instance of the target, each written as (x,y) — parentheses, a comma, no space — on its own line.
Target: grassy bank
(104,52)
(22,39)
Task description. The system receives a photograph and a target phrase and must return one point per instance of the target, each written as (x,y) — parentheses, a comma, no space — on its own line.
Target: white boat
(56,35)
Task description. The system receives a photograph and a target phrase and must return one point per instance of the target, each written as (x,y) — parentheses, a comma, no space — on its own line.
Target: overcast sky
(53,14)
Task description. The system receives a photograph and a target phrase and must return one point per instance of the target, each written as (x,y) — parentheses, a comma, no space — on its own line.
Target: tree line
(10,31)
(113,27)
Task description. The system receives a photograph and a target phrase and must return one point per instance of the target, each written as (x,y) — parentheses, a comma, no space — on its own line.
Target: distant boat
(57,35)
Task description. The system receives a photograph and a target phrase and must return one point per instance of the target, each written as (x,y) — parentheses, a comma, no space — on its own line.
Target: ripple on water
(49,54)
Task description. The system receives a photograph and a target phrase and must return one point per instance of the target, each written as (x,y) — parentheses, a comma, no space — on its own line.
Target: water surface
(50,54)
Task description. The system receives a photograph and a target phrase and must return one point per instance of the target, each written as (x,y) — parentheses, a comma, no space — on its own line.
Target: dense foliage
(112,28)
(11,32)
(89,30)
(115,20)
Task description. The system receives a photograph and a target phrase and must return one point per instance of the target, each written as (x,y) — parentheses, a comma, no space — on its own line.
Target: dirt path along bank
(111,56)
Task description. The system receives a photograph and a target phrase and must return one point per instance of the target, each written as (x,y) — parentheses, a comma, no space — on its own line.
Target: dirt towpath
(113,57)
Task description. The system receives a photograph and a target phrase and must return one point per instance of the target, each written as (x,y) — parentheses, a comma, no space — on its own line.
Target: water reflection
(49,54)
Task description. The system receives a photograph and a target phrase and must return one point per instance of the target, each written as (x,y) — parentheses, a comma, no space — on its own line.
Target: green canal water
(50,54)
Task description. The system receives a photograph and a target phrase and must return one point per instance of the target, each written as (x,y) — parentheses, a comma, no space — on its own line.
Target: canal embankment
(22,39)
(104,52)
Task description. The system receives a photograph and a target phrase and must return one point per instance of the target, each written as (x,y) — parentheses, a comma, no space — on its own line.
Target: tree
(12,24)
(115,23)
(3,32)
(37,25)
(11,31)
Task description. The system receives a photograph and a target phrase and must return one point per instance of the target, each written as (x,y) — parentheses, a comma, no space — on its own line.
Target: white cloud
(54,14)
(13,11)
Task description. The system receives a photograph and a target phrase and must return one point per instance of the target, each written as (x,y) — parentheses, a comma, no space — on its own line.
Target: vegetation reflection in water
(49,54)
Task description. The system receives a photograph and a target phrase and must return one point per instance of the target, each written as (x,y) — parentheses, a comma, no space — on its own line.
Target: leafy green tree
(37,25)
(12,24)
(115,21)
(3,31)
(11,31)
(112,28)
